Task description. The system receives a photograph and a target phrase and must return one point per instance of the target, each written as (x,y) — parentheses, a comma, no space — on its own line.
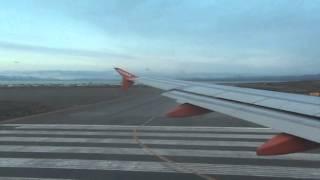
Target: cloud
(61,51)
(259,36)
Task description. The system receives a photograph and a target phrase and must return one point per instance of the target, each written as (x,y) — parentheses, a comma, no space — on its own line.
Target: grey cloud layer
(260,36)
(61,51)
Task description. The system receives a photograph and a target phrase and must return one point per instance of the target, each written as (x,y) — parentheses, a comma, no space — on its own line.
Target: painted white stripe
(141,134)
(25,178)
(150,128)
(132,141)
(163,152)
(139,166)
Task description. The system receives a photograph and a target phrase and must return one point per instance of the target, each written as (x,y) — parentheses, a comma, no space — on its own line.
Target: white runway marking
(131,141)
(157,135)
(141,134)
(140,166)
(150,128)
(164,152)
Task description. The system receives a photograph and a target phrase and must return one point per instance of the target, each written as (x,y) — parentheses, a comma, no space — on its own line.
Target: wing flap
(302,126)
(203,90)
(160,84)
(282,101)
(286,105)
(297,115)
(246,98)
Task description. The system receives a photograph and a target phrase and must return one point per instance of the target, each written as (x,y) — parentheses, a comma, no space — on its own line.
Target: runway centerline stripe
(141,166)
(141,134)
(164,152)
(131,141)
(126,127)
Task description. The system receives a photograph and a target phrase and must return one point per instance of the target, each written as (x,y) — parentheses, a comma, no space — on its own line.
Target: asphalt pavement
(129,137)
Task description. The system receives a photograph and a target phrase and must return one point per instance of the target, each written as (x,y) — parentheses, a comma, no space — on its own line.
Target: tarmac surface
(129,137)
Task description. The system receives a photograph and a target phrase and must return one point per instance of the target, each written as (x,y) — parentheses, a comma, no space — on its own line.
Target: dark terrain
(23,101)
(299,87)
(105,133)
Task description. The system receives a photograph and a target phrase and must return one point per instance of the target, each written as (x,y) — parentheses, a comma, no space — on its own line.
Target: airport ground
(23,101)
(105,133)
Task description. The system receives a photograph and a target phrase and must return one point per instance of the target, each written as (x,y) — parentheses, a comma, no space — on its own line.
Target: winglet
(127,78)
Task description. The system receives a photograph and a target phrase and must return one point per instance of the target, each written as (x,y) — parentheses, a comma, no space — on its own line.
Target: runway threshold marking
(204,143)
(168,162)
(141,134)
(145,166)
(26,147)
(130,127)
(159,151)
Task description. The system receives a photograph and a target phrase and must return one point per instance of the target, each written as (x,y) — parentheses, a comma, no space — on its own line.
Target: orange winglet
(187,110)
(127,78)
(286,144)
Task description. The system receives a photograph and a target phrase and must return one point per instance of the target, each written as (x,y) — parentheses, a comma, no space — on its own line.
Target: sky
(259,37)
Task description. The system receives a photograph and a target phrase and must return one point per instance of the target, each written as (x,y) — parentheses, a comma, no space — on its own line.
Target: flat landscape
(299,87)
(106,133)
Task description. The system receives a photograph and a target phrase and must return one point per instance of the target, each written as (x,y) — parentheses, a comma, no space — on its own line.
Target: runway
(129,137)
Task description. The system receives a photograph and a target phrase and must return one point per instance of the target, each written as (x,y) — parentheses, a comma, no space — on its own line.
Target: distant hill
(111,75)
(57,75)
(261,78)
(22,78)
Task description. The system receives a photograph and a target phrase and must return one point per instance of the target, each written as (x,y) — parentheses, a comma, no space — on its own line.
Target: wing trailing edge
(298,116)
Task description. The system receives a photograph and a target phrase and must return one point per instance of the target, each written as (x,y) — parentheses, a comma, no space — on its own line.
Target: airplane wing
(297,116)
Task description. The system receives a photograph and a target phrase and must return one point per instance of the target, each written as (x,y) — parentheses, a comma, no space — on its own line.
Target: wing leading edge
(297,116)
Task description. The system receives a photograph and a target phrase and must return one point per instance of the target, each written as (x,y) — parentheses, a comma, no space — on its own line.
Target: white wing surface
(298,116)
